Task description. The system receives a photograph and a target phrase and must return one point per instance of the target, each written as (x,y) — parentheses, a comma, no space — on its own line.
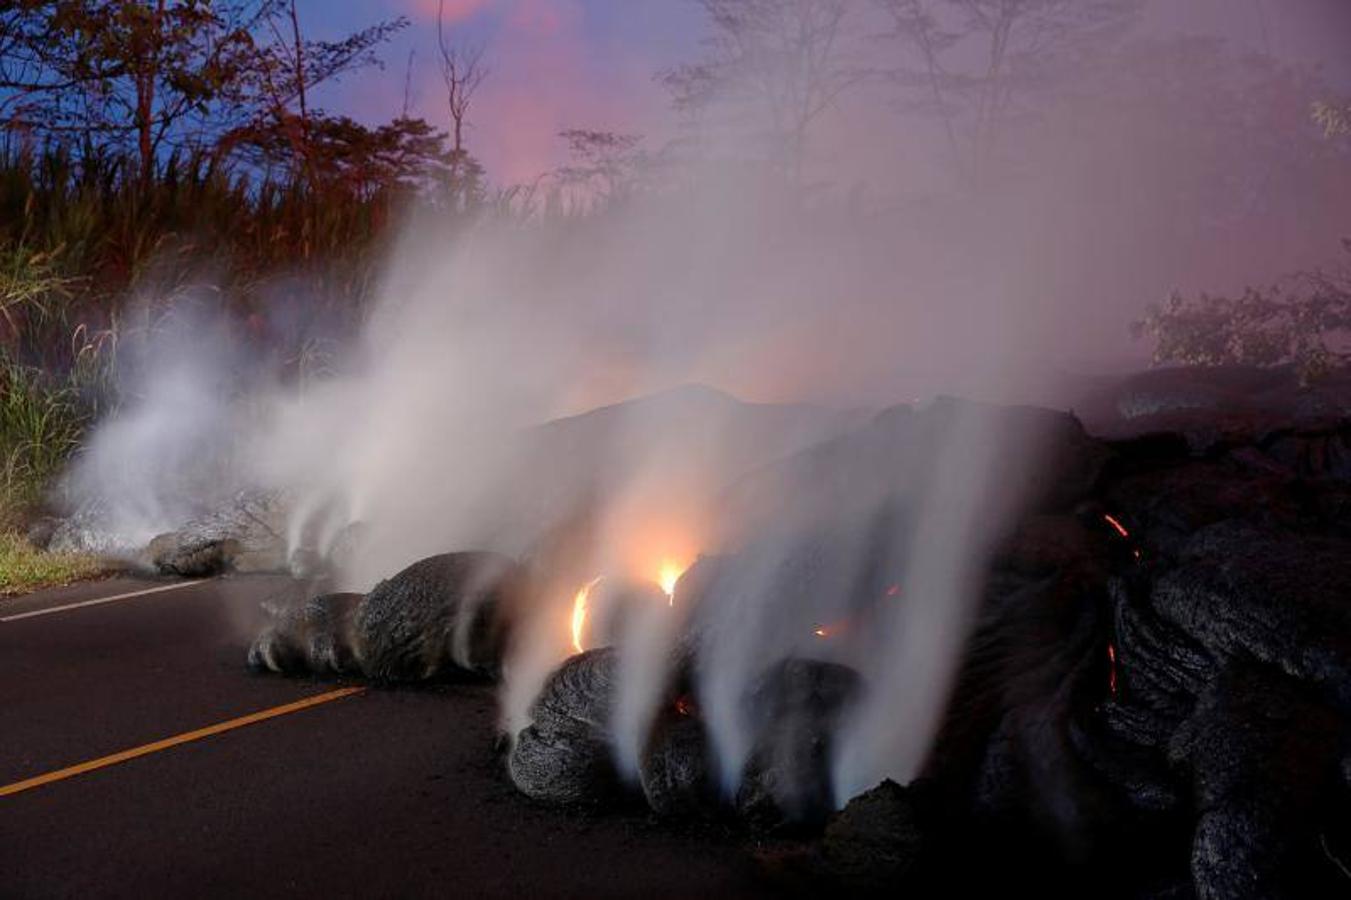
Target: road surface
(377,793)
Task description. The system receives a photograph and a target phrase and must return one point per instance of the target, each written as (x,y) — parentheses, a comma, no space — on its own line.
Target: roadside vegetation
(24,568)
(154,152)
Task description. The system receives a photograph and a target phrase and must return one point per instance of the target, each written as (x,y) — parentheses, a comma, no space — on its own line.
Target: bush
(1304,322)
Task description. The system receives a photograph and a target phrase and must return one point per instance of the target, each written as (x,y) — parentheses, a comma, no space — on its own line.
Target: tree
(1303,320)
(463,72)
(605,165)
(163,75)
(140,71)
(274,87)
(981,65)
(775,63)
(1334,118)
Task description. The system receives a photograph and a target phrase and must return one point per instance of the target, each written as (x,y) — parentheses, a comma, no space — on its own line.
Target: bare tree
(783,57)
(463,71)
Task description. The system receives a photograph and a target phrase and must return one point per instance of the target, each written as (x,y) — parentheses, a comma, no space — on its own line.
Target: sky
(555,64)
(559,64)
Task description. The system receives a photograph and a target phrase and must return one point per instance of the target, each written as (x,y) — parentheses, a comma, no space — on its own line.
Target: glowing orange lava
(1120,529)
(1111,669)
(831,629)
(579,604)
(667,576)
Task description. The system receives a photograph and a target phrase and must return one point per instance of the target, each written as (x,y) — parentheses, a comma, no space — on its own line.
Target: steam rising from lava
(440,430)
(438,436)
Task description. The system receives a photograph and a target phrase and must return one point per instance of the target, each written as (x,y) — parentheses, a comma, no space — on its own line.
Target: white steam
(853,290)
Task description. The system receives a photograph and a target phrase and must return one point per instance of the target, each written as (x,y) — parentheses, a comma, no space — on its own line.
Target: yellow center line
(166,743)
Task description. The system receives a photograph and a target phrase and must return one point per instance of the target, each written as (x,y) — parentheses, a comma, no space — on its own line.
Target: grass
(92,259)
(41,423)
(25,568)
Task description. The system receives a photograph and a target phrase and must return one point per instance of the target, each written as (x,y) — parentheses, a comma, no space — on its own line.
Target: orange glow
(579,608)
(668,575)
(833,629)
(1111,670)
(1120,529)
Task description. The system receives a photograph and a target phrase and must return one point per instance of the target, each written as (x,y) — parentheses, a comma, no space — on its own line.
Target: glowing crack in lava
(830,630)
(579,605)
(1121,530)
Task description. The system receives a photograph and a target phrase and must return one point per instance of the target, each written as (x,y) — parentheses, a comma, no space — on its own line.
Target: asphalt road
(379,794)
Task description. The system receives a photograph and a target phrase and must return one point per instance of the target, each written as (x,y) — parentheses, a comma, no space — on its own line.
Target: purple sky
(555,64)
(589,63)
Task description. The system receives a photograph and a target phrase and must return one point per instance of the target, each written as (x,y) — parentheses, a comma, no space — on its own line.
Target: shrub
(1304,322)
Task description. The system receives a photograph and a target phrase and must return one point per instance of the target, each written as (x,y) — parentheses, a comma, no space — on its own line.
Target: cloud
(455,10)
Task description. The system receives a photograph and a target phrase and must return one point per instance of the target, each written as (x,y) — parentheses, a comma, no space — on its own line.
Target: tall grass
(93,259)
(41,422)
(81,235)
(89,254)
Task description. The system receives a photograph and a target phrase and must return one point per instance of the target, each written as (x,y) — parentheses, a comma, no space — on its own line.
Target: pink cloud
(541,17)
(546,74)
(455,10)
(543,80)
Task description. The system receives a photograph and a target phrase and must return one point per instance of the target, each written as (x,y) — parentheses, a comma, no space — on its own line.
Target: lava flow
(579,609)
(667,577)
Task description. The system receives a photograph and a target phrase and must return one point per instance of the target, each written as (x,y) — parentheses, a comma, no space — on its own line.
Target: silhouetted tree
(166,74)
(777,63)
(605,165)
(463,72)
(147,72)
(981,65)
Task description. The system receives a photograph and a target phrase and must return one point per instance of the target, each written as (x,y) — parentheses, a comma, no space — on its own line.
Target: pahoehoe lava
(1157,685)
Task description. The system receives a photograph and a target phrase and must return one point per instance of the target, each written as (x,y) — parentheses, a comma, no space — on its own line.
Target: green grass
(25,568)
(41,423)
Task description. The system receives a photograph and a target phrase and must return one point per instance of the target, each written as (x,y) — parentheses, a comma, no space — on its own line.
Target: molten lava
(1111,669)
(1116,525)
(667,576)
(579,605)
(831,629)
